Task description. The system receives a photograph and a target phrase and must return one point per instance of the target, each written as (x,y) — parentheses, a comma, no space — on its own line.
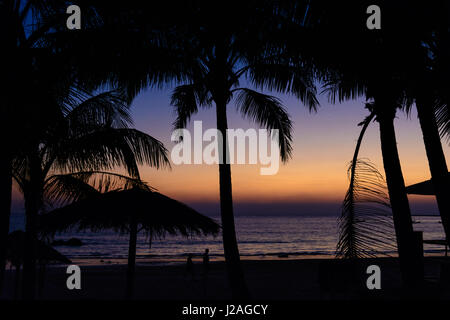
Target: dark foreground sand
(309,279)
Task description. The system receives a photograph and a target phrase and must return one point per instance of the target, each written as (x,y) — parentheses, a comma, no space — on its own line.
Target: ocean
(259,237)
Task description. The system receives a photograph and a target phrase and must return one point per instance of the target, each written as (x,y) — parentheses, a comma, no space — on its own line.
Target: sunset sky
(314,180)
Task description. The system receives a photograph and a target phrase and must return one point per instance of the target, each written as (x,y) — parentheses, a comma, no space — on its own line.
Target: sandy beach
(308,279)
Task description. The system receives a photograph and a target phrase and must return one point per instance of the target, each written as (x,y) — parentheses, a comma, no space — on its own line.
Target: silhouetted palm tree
(365,225)
(384,107)
(428,84)
(187,43)
(23,25)
(217,59)
(41,51)
(182,43)
(91,133)
(418,64)
(436,158)
(423,78)
(361,62)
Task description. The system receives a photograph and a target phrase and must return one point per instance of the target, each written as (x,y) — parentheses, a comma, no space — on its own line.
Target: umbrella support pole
(131,260)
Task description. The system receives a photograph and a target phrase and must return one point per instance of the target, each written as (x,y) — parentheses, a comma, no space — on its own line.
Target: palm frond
(65,188)
(62,189)
(341,88)
(284,78)
(126,57)
(187,99)
(365,226)
(267,111)
(109,108)
(20,172)
(108,148)
(442,113)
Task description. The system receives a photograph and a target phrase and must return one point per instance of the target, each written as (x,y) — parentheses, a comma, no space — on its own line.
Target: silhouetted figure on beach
(206,262)
(190,267)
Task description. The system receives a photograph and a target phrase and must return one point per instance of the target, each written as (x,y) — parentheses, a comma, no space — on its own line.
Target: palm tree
(417,63)
(427,79)
(43,52)
(23,24)
(384,107)
(406,241)
(371,64)
(168,47)
(436,158)
(32,31)
(365,225)
(217,59)
(7,19)
(132,210)
(40,52)
(91,133)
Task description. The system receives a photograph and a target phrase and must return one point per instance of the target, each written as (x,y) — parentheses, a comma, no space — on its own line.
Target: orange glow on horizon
(323,145)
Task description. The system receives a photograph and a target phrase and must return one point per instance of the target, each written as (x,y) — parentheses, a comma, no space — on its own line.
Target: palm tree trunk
(436,161)
(131,259)
(230,245)
(5,211)
(41,281)
(16,282)
(33,197)
(407,248)
(29,262)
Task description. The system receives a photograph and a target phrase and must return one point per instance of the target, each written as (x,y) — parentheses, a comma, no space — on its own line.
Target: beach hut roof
(154,213)
(423,188)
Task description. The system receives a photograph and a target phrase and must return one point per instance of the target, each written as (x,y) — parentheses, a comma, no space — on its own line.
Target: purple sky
(314,181)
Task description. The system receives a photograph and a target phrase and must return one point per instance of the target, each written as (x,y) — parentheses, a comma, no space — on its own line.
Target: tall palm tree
(181,43)
(91,133)
(420,67)
(436,159)
(35,37)
(365,225)
(359,62)
(426,106)
(217,60)
(427,79)
(23,24)
(384,106)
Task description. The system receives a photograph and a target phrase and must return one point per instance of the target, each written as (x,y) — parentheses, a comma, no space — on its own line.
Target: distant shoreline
(179,261)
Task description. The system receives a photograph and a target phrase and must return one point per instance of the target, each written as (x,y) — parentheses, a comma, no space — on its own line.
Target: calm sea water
(259,238)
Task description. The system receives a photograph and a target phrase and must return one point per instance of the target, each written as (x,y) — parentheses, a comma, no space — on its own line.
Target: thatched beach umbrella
(130,211)
(423,188)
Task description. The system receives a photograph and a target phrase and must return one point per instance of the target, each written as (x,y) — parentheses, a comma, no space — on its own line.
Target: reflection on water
(259,238)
